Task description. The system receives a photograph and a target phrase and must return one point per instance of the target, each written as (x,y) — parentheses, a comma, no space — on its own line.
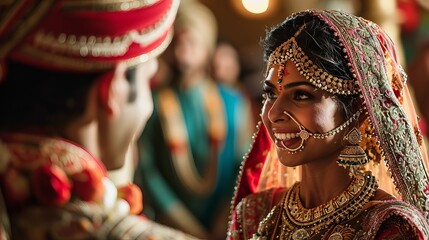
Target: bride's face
(315,109)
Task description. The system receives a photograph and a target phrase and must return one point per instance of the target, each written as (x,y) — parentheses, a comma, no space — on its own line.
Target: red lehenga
(255,214)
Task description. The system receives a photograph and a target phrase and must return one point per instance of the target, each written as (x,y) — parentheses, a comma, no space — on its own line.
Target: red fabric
(103,23)
(133,195)
(252,167)
(250,174)
(59,18)
(396,228)
(423,127)
(88,184)
(48,170)
(410,15)
(105,82)
(31,139)
(51,185)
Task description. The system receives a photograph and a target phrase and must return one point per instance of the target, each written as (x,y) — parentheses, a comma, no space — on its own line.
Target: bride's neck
(320,185)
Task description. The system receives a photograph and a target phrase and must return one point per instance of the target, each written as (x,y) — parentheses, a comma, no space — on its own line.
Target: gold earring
(353,154)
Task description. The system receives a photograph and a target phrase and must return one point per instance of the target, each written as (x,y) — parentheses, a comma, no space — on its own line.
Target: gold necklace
(299,223)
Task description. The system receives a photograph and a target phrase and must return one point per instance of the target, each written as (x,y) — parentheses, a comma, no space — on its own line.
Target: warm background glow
(256,6)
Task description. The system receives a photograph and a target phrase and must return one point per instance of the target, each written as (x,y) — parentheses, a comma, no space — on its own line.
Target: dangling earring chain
(304,134)
(339,128)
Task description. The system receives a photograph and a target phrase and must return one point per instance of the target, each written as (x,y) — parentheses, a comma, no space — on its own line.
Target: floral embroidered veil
(390,111)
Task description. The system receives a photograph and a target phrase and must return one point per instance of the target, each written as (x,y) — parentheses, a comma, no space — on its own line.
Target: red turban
(84,35)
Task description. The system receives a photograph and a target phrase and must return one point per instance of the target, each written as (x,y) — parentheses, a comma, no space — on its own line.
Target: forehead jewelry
(281,72)
(304,134)
(289,50)
(282,65)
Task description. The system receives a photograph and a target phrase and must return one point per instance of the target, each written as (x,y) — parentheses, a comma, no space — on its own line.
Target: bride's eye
(268,94)
(302,95)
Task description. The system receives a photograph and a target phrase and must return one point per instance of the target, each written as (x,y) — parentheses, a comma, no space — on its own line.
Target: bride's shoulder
(395,216)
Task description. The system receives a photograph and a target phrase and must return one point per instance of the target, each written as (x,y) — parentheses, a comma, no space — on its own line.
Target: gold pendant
(300,234)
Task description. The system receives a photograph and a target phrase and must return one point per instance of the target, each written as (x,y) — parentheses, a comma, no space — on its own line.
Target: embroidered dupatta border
(398,140)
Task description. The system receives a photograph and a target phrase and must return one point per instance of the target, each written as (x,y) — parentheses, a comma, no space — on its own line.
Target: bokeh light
(256,6)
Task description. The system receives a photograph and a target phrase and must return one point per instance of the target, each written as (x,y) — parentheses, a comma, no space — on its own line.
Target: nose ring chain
(304,134)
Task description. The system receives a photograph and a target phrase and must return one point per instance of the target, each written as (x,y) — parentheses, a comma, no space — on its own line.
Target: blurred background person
(191,149)
(226,72)
(226,65)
